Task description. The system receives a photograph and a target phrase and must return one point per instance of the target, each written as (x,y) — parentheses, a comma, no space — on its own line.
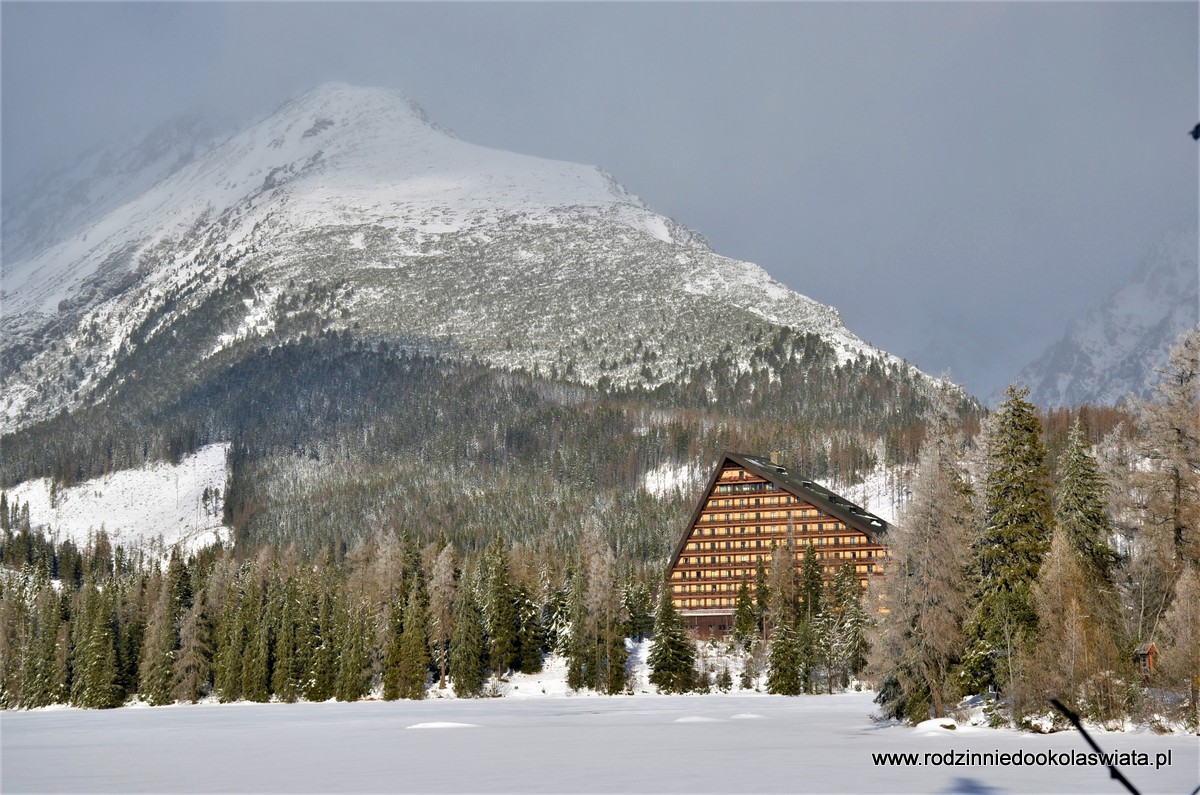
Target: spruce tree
(812,586)
(256,661)
(467,647)
(853,624)
(286,670)
(413,668)
(321,646)
(500,610)
(824,631)
(179,583)
(762,598)
(615,657)
(352,678)
(744,624)
(129,625)
(231,646)
(635,598)
(672,655)
(1081,512)
(784,669)
(531,638)
(580,640)
(43,678)
(1018,524)
(392,657)
(95,682)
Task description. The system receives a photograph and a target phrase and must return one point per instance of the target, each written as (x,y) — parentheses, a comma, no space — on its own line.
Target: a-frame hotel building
(752,504)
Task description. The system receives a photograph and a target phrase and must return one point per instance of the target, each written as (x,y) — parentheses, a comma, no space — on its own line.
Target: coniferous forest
(406,522)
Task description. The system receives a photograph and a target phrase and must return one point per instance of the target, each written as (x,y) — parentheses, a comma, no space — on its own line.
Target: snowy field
(715,743)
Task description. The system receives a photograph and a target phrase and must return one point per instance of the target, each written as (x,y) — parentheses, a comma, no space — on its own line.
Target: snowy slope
(154,508)
(348,210)
(343,153)
(1113,350)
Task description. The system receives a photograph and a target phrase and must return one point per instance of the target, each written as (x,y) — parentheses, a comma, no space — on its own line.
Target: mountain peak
(336,100)
(347,210)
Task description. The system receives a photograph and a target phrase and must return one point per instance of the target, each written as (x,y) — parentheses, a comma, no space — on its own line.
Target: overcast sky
(959,179)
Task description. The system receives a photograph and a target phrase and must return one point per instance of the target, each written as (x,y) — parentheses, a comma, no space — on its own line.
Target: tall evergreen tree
(467,647)
(179,583)
(851,646)
(353,655)
(785,676)
(231,645)
(580,638)
(744,625)
(413,668)
(531,638)
(672,655)
(636,600)
(1081,512)
(1018,524)
(95,682)
(321,646)
(812,586)
(394,654)
(286,668)
(762,598)
(128,622)
(43,676)
(256,629)
(500,609)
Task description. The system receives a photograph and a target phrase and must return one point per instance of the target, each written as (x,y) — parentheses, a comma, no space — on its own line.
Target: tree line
(1002,581)
(392,618)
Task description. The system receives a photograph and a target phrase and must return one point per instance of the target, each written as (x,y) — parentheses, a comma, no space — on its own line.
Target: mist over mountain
(47,209)
(1112,351)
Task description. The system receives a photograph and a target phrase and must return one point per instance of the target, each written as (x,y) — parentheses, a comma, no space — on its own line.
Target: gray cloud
(958,179)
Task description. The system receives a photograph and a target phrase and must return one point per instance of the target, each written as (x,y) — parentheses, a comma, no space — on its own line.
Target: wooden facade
(751,505)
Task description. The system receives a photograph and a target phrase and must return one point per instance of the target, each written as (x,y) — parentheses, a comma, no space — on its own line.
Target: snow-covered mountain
(348,210)
(1113,350)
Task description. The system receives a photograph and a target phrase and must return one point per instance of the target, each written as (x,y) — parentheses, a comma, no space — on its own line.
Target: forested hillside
(336,439)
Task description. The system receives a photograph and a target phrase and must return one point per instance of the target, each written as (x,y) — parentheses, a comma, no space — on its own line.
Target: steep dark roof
(818,496)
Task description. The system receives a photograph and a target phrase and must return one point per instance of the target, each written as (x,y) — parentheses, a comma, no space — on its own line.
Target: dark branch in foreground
(1074,718)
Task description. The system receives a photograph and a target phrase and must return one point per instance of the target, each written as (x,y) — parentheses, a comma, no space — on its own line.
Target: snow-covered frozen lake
(718,743)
